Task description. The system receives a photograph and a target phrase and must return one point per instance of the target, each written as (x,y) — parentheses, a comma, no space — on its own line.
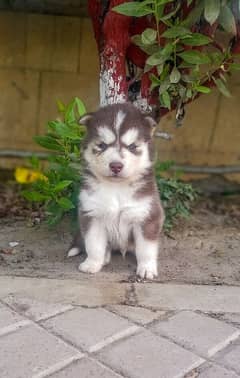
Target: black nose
(116,167)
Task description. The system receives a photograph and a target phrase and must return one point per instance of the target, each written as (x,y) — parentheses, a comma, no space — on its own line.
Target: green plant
(184,46)
(177,196)
(58,187)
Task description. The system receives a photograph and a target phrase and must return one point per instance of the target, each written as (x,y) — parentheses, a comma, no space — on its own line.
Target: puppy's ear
(152,123)
(84,120)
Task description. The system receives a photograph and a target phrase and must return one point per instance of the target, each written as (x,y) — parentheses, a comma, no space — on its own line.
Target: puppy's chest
(114,203)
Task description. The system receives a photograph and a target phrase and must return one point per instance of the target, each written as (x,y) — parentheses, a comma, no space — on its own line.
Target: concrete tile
(202,334)
(89,328)
(10,320)
(86,368)
(33,352)
(148,355)
(85,293)
(215,371)
(231,358)
(232,318)
(189,297)
(137,314)
(34,309)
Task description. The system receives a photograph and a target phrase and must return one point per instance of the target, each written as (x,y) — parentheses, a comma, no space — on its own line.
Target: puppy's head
(118,144)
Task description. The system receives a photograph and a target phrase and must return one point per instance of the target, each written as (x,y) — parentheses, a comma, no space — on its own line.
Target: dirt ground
(203,249)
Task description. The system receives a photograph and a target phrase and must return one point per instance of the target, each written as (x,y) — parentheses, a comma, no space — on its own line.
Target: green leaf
(227,21)
(195,15)
(194,57)
(134,9)
(61,107)
(176,31)
(235,66)
(155,81)
(189,93)
(160,56)
(80,107)
(170,14)
(65,131)
(165,100)
(48,142)
(196,39)
(222,87)
(34,161)
(211,10)
(164,85)
(65,203)
(175,76)
(202,89)
(62,185)
(148,36)
(35,196)
(148,49)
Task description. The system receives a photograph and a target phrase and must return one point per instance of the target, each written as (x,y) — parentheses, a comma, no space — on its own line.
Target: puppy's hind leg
(96,247)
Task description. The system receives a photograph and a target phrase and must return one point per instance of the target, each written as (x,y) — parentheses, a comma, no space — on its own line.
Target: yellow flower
(26,175)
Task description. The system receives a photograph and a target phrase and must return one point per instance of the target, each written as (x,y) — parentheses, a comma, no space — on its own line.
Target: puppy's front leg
(95,244)
(146,254)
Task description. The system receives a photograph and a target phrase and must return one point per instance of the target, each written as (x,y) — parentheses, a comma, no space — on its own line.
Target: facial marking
(119,119)
(130,136)
(106,135)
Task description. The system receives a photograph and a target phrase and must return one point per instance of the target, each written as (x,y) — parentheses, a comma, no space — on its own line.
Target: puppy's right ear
(84,120)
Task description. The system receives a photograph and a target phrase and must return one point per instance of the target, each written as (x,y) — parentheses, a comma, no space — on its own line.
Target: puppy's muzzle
(116,167)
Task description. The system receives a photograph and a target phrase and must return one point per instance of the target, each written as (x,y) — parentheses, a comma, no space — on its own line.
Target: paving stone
(216,372)
(232,318)
(10,320)
(205,298)
(137,314)
(86,368)
(33,309)
(90,328)
(231,359)
(31,352)
(84,292)
(150,356)
(200,333)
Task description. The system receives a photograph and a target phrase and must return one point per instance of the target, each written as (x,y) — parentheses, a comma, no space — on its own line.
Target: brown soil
(204,249)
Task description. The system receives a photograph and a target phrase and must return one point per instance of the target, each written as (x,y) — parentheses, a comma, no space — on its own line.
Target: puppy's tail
(77,246)
(73,252)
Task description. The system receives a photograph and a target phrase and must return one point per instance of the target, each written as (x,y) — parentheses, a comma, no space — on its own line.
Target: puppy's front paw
(90,266)
(147,270)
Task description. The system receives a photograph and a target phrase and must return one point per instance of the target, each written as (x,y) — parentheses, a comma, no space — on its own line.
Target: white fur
(130,136)
(106,135)
(119,119)
(73,252)
(146,254)
(115,211)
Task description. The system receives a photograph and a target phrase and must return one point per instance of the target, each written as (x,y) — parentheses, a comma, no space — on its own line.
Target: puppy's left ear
(152,123)
(84,120)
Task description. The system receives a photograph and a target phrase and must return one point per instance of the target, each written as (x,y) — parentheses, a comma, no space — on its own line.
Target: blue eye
(132,147)
(103,146)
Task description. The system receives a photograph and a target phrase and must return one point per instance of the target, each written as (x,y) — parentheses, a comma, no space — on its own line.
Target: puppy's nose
(116,166)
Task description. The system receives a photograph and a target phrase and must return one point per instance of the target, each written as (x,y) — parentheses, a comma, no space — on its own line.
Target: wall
(44,58)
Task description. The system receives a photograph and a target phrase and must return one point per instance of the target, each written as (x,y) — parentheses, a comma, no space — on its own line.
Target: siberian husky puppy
(119,205)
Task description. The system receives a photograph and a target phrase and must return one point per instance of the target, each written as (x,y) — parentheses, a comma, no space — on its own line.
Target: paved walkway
(72,329)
